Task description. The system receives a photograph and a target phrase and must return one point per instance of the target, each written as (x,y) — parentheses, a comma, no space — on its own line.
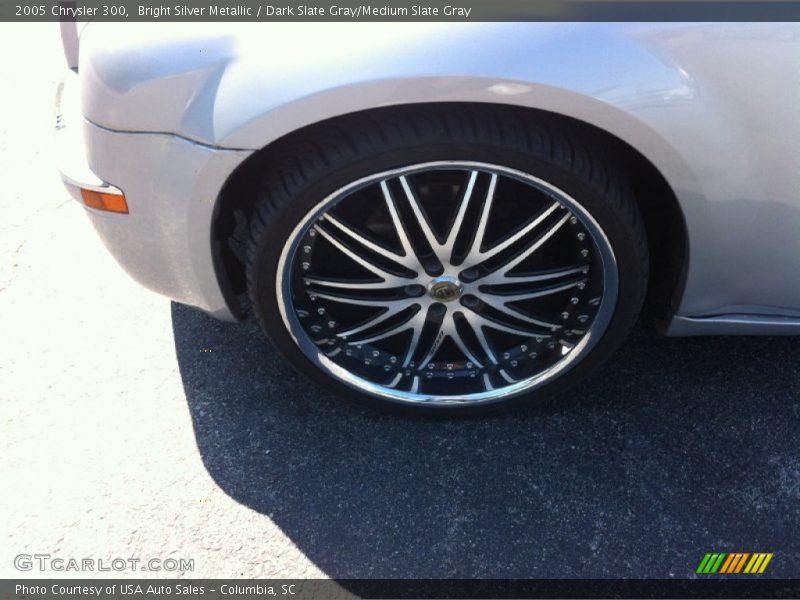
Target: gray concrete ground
(136,428)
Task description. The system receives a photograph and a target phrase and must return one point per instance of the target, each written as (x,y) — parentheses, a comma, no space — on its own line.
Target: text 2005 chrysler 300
(446,216)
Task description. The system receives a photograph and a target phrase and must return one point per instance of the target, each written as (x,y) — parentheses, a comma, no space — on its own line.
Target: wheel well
(663,218)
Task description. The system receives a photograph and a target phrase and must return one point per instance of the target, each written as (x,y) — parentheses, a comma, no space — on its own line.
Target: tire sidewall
(306,195)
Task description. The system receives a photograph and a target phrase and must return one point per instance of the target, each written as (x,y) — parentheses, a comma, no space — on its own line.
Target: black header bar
(356,11)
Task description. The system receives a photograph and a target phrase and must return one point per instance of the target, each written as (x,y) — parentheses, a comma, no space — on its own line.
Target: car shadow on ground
(674,448)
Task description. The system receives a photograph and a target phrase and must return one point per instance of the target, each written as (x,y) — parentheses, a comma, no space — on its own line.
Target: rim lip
(590,339)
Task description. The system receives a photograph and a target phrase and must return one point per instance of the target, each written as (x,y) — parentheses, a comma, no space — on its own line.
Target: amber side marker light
(105,201)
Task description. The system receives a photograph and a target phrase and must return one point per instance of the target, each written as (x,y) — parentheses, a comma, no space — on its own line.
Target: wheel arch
(668,239)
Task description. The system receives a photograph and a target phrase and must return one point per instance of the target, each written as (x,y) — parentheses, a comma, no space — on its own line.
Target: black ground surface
(676,447)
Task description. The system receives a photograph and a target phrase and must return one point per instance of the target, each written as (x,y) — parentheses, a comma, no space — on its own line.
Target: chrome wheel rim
(447,283)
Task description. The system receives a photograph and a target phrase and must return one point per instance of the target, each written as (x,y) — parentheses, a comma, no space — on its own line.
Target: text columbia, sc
(304,10)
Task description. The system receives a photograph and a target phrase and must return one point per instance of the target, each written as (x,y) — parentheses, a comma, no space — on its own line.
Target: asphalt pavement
(134,427)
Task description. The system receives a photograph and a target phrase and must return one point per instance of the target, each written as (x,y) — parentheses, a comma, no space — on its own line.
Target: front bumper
(68,141)
(171,186)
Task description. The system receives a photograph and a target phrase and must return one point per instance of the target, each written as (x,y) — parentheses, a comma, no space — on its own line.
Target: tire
(365,277)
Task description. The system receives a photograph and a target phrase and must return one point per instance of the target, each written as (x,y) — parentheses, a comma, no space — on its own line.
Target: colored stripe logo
(733,563)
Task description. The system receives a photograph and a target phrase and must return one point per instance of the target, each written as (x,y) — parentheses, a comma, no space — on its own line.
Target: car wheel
(445,259)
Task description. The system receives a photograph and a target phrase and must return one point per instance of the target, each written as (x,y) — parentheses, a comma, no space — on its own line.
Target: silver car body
(168,111)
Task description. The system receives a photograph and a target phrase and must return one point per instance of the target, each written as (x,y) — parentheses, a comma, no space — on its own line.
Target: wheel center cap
(445,289)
